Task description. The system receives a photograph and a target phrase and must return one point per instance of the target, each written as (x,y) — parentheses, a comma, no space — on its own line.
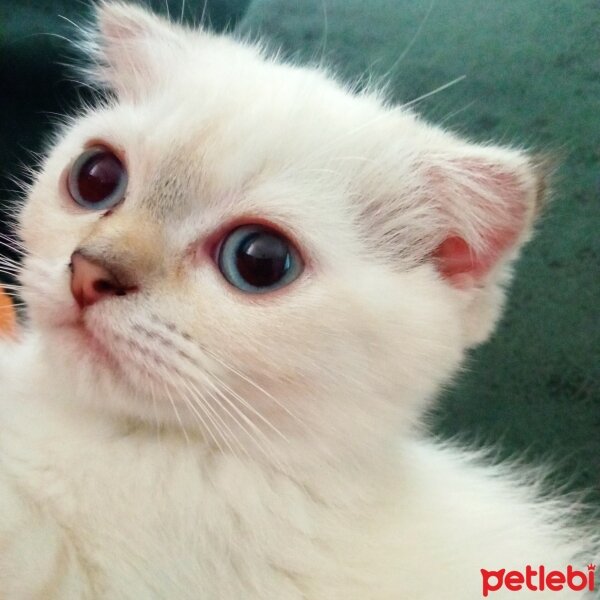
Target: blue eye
(256,259)
(98,179)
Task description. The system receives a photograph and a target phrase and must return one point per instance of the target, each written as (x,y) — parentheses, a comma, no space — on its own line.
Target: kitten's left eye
(257,260)
(98,179)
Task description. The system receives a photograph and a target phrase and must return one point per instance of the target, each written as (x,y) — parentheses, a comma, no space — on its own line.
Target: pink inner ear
(455,259)
(457,262)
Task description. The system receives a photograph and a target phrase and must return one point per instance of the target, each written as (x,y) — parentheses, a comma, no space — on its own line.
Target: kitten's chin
(78,348)
(97,376)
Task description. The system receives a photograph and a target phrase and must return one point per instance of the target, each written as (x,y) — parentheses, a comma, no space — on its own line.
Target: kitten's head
(242,245)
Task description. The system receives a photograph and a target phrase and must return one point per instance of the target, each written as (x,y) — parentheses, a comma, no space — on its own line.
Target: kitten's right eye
(257,260)
(98,179)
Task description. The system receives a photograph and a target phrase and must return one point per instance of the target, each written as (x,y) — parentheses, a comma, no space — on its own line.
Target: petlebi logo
(538,580)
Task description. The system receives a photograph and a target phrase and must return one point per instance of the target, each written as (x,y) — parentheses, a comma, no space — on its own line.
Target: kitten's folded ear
(487,199)
(131,48)
(466,209)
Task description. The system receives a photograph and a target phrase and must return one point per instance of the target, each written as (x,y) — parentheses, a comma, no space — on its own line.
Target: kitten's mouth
(92,344)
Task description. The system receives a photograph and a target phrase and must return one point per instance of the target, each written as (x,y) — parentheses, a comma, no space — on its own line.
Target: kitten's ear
(131,47)
(464,209)
(488,199)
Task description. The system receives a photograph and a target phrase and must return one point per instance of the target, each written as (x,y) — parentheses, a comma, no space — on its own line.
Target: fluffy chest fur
(147,513)
(118,512)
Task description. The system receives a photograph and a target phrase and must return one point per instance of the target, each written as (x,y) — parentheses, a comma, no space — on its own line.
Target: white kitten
(245,285)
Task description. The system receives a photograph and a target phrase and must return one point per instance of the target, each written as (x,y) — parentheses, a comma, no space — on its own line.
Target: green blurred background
(532,76)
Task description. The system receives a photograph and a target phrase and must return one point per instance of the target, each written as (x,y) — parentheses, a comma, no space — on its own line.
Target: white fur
(265,447)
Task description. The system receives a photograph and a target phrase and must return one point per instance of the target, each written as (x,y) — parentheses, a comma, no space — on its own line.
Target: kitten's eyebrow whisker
(204,7)
(362,159)
(326,149)
(456,112)
(414,38)
(73,24)
(325,31)
(49,34)
(435,91)
(183,10)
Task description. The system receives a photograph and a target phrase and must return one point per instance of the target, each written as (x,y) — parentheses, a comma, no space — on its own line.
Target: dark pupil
(99,177)
(262,259)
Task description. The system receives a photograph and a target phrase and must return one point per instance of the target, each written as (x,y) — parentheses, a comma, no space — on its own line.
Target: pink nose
(91,281)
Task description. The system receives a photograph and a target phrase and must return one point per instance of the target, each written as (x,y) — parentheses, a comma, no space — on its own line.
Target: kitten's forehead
(189,149)
(224,133)
(196,171)
(269,113)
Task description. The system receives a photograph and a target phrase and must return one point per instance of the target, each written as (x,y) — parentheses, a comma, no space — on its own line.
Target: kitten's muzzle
(92,280)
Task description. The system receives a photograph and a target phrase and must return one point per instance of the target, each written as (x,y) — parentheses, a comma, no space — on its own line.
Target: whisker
(192,388)
(13,305)
(181,18)
(436,91)
(414,38)
(9,263)
(11,287)
(49,34)
(14,260)
(9,269)
(11,244)
(151,330)
(170,398)
(325,35)
(242,416)
(203,15)
(73,24)
(251,408)
(236,422)
(194,401)
(203,405)
(9,272)
(192,406)
(253,384)
(153,396)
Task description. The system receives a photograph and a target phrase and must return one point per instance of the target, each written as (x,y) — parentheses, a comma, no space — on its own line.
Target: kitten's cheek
(46,291)
(46,312)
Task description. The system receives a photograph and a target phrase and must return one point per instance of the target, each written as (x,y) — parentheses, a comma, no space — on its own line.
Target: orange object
(8,315)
